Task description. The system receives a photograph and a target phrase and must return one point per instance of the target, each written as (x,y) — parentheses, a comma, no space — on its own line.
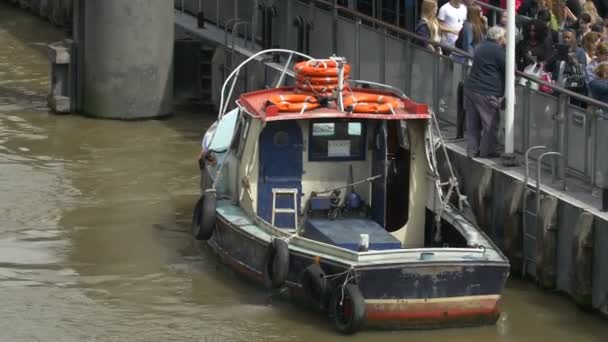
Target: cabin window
(240,134)
(336,140)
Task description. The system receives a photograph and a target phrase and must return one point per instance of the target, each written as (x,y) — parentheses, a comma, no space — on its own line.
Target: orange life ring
(320,68)
(320,88)
(294,102)
(372,103)
(317,80)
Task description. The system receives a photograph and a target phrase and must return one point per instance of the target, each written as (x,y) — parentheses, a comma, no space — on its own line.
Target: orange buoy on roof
(317,80)
(294,102)
(320,68)
(371,103)
(319,88)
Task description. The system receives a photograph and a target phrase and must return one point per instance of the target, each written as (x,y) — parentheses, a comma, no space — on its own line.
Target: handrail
(234,74)
(497,9)
(463,53)
(564,91)
(392,27)
(395,90)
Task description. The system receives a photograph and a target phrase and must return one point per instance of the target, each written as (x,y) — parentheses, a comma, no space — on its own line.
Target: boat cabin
(332,176)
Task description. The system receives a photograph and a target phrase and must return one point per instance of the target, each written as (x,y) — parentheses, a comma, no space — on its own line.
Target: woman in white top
(451,18)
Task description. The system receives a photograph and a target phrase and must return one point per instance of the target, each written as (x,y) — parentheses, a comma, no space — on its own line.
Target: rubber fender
(203,216)
(546,243)
(582,260)
(276,263)
(347,308)
(314,284)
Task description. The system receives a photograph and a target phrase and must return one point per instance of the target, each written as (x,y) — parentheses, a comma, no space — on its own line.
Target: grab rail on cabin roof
(395,90)
(233,76)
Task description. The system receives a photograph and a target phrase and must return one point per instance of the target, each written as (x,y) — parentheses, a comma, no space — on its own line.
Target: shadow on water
(30,30)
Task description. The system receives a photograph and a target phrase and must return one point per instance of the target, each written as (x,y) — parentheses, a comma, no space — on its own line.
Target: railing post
(217,13)
(563,128)
(510,79)
(374,10)
(593,113)
(254,22)
(408,58)
(435,87)
(525,119)
(287,29)
(236,9)
(334,33)
(383,55)
(358,49)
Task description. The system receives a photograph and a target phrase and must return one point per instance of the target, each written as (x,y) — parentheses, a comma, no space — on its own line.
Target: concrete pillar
(128,58)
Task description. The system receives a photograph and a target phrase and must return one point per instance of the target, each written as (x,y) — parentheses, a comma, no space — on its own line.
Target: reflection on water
(94,242)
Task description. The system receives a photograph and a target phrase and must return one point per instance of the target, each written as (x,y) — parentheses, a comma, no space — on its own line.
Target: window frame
(362,147)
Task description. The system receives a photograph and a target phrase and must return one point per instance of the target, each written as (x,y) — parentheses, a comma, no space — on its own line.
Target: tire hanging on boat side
(203,217)
(314,284)
(276,263)
(347,308)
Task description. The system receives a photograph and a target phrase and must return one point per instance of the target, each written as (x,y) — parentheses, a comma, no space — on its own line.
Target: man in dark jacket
(483,90)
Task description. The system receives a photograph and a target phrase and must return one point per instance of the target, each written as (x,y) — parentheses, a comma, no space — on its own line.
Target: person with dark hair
(530,8)
(568,63)
(575,6)
(544,16)
(576,53)
(601,29)
(584,25)
(535,47)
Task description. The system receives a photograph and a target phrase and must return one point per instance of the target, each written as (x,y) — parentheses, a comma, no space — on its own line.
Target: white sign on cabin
(338,148)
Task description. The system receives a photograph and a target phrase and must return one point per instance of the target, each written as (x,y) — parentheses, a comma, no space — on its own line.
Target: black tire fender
(276,263)
(315,285)
(347,308)
(203,216)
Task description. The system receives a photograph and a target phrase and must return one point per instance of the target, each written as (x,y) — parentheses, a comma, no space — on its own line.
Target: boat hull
(397,296)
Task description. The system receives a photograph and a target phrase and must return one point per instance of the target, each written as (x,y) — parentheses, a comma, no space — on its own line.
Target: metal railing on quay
(386,53)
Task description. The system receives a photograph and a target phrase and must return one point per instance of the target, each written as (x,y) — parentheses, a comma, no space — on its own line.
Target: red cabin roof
(255,104)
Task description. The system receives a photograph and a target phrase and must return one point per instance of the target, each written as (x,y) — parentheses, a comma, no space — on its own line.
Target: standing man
(483,90)
(451,18)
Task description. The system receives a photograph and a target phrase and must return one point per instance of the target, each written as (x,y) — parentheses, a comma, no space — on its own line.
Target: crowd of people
(564,42)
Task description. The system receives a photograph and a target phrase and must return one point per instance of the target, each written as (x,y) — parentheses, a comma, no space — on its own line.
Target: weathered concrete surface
(128,58)
(571,235)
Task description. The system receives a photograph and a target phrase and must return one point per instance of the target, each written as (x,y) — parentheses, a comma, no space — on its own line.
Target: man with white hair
(483,90)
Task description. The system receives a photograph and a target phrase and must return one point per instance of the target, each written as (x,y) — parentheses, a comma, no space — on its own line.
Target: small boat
(329,190)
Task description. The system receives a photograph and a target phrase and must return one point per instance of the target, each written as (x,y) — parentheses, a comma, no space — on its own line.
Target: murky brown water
(94,242)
